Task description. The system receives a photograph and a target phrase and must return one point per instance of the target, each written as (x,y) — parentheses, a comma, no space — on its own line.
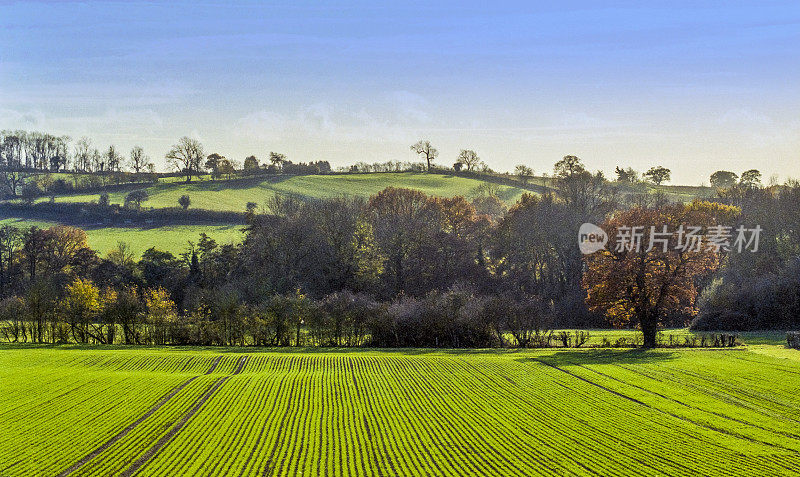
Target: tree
(583,191)
(250,165)
(82,155)
(468,158)
(225,168)
(724,179)
(185,201)
(212,164)
(658,174)
(424,147)
(30,191)
(11,180)
(185,156)
(139,161)
(634,283)
(79,308)
(112,159)
(277,159)
(523,172)
(136,198)
(628,175)
(751,179)
(568,166)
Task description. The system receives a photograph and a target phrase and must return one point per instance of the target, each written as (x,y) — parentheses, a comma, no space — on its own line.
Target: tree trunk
(649,330)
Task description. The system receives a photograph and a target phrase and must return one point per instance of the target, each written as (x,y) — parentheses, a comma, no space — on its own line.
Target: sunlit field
(169,238)
(93,411)
(233,196)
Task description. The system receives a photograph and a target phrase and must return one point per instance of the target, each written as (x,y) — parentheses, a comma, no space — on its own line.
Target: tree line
(406,269)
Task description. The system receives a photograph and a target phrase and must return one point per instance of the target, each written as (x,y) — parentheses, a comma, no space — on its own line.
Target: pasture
(169,238)
(233,195)
(242,411)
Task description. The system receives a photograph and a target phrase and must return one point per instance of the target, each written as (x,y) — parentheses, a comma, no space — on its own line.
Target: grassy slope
(407,412)
(171,238)
(234,195)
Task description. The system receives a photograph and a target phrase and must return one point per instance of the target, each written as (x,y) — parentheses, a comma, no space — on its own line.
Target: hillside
(233,195)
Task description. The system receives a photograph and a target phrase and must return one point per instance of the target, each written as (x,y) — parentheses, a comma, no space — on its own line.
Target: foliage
(642,285)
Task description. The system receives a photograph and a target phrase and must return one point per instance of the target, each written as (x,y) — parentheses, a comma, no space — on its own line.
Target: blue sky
(694,86)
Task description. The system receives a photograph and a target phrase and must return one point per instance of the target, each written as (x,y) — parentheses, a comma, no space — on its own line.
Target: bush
(185,201)
(793,339)
(135,198)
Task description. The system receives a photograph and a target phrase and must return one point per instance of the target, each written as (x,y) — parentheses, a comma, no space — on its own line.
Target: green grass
(596,336)
(397,412)
(170,238)
(234,195)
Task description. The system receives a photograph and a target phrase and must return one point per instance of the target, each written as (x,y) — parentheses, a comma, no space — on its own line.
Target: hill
(232,196)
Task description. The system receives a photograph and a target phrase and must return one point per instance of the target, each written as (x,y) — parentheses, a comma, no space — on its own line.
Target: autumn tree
(653,270)
(185,157)
(423,147)
(399,218)
(79,309)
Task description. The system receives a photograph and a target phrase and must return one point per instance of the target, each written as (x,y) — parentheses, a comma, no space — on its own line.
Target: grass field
(94,411)
(234,195)
(170,238)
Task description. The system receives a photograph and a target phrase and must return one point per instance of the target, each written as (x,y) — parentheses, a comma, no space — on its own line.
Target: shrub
(793,339)
(185,201)
(135,198)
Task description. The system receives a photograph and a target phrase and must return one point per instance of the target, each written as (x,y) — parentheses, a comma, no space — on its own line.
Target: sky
(693,86)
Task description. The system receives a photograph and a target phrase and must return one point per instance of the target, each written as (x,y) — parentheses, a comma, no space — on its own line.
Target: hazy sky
(694,86)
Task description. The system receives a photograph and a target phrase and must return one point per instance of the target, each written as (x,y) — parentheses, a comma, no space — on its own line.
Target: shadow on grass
(575,357)
(260,349)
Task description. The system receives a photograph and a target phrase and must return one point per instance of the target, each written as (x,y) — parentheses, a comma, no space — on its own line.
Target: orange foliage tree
(642,285)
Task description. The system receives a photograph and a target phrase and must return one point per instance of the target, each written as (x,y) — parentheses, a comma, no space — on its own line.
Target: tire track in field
(689,406)
(160,403)
(152,451)
(685,419)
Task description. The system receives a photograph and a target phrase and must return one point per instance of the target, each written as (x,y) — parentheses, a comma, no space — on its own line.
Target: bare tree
(424,147)
(11,180)
(112,159)
(98,161)
(139,160)
(468,158)
(186,156)
(82,155)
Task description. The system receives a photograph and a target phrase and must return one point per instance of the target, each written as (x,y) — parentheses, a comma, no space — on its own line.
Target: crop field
(94,411)
(234,195)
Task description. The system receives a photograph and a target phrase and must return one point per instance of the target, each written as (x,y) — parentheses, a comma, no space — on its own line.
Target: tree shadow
(577,357)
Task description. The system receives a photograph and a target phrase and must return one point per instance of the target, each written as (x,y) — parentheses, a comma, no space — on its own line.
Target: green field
(233,195)
(171,238)
(95,411)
